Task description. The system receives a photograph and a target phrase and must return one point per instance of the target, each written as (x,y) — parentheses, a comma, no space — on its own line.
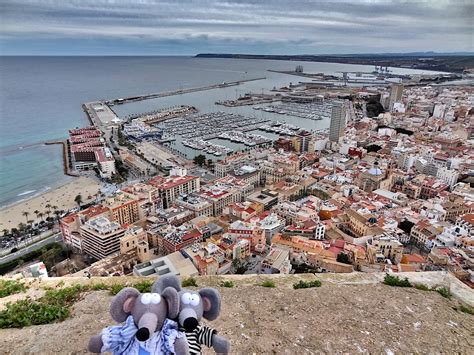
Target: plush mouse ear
(122,303)
(172,299)
(211,301)
(164,282)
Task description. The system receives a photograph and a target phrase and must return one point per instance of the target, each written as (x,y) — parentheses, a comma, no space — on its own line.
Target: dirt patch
(335,318)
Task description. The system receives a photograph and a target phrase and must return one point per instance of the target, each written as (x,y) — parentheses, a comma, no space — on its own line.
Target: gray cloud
(302,25)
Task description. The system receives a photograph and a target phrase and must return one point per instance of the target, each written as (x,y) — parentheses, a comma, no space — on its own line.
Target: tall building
(101,237)
(338,121)
(123,208)
(396,92)
(170,188)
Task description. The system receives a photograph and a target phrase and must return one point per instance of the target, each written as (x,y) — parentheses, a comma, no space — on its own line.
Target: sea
(41,97)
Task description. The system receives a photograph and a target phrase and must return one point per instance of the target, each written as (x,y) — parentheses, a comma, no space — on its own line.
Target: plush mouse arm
(181,346)
(95,344)
(220,344)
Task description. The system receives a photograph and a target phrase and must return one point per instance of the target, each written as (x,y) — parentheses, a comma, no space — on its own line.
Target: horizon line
(230,53)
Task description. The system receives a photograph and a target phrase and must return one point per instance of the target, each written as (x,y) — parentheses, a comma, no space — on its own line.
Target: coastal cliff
(348,313)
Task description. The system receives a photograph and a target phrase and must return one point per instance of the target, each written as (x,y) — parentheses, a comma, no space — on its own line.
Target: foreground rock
(339,317)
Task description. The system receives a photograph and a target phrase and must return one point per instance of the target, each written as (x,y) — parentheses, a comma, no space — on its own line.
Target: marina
(310,111)
(209,125)
(207,147)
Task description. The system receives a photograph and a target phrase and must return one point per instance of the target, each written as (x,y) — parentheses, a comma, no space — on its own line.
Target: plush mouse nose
(143,334)
(146,326)
(190,324)
(188,319)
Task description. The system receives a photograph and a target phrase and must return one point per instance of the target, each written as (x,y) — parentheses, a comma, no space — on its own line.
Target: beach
(62,197)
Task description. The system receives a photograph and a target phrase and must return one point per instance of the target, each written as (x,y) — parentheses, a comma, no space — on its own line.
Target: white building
(396,92)
(448,176)
(271,225)
(439,111)
(101,237)
(319,231)
(106,163)
(449,236)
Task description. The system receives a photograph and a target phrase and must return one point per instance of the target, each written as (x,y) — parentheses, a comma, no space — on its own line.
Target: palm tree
(30,228)
(15,235)
(58,213)
(78,200)
(36,212)
(26,214)
(48,206)
(40,215)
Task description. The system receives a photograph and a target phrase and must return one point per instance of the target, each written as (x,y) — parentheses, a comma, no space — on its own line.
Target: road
(30,248)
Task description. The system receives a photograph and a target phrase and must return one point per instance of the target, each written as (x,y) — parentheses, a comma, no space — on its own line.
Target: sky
(188,27)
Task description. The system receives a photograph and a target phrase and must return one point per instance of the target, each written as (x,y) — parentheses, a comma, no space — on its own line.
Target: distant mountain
(456,62)
(407,54)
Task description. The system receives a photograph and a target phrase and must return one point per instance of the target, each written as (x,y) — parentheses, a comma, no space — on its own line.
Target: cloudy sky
(153,27)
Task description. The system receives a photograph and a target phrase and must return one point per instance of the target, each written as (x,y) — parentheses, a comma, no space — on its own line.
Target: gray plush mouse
(147,329)
(205,303)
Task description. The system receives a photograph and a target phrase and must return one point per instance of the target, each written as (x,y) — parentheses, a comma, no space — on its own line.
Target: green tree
(22,227)
(16,235)
(239,267)
(199,160)
(343,258)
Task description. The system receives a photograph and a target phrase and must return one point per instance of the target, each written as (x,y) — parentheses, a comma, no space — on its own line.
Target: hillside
(349,313)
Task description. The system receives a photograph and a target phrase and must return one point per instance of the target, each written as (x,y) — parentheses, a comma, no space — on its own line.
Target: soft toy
(146,329)
(206,303)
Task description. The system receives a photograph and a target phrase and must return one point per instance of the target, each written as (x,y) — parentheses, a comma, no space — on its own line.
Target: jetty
(66,166)
(177,92)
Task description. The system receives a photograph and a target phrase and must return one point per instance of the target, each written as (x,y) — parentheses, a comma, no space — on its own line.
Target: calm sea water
(41,97)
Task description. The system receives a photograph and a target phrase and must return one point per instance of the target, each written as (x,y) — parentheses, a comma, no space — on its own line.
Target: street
(54,238)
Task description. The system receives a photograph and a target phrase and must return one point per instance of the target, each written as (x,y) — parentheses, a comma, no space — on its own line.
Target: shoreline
(61,196)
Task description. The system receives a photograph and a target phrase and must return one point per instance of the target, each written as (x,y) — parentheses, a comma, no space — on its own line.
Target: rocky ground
(339,317)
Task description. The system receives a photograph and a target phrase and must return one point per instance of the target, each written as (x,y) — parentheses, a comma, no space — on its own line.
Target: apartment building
(172,187)
(101,237)
(123,208)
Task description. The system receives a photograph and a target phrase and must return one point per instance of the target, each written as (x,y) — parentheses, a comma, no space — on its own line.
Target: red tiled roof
(412,258)
(469,218)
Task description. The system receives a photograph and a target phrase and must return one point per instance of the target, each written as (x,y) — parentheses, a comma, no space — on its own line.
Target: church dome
(375,171)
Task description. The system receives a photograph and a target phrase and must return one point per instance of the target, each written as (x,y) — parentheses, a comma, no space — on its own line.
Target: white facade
(319,231)
(439,111)
(450,177)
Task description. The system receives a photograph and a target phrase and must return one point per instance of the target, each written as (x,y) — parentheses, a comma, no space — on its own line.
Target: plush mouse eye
(195,300)
(146,298)
(155,298)
(186,298)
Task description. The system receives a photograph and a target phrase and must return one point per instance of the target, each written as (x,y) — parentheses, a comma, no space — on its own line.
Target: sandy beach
(62,197)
